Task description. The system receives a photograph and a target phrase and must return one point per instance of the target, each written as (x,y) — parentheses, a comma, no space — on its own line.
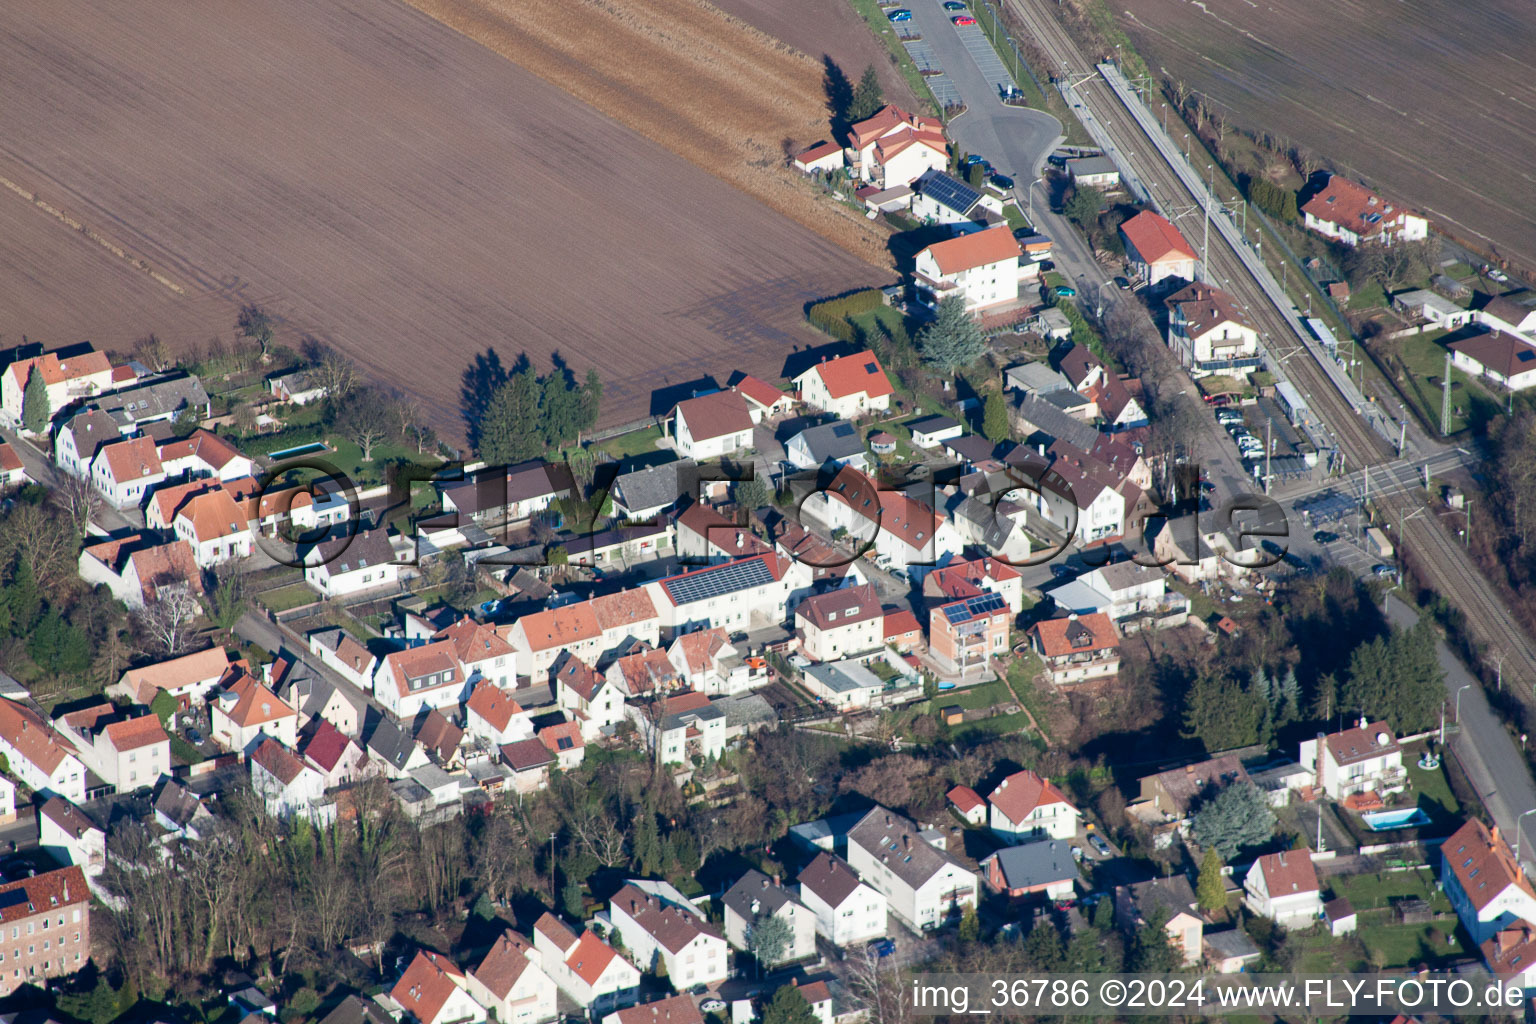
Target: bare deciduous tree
(79,500)
(334,372)
(154,353)
(170,621)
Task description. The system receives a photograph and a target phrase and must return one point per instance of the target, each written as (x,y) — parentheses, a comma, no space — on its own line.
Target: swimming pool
(314,448)
(1386,821)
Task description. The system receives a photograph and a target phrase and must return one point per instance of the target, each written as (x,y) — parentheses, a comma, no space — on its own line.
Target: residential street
(1015,139)
(256,629)
(43,471)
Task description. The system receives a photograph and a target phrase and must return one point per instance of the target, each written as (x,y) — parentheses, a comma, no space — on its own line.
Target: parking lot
(926,60)
(987,60)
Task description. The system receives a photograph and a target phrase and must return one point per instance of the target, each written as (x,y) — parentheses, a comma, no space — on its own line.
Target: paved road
(257,629)
(1497,769)
(44,472)
(1015,139)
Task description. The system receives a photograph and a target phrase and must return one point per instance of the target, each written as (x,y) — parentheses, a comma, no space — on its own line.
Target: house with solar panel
(940,199)
(739,595)
(964,635)
(847,387)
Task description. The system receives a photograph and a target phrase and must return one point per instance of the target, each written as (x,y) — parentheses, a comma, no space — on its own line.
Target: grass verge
(880,25)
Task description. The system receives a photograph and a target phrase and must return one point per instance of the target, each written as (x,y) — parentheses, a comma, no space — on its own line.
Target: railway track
(1446,566)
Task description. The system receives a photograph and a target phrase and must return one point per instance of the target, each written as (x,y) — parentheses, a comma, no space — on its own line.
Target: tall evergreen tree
(954,339)
(23,600)
(788,1006)
(560,410)
(591,400)
(1042,947)
(868,97)
(1290,699)
(645,843)
(1220,714)
(35,408)
(510,431)
(1152,950)
(994,418)
(1234,818)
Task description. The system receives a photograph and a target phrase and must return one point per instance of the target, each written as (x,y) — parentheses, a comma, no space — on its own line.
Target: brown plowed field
(1432,100)
(826,28)
(384,183)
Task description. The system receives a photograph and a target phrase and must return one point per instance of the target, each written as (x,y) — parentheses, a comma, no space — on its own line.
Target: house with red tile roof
(511,981)
(764,400)
(40,757)
(712,425)
(66,380)
(847,387)
(1209,332)
(970,577)
(679,1009)
(706,536)
(1156,251)
(203,453)
(1511,955)
(214,525)
(287,785)
(484,653)
(529,761)
(1077,648)
(825,157)
(56,903)
(585,968)
(12,472)
(1508,360)
(139,569)
(434,991)
(336,756)
(905,531)
(967,803)
(646,671)
(901,630)
(842,623)
(1487,887)
(1284,888)
(1027,806)
(1350,213)
(247,711)
(188,678)
(896,148)
(564,740)
(659,926)
(127,753)
(595,700)
(429,676)
(492,714)
(586,629)
(126,471)
(981,267)
(345,655)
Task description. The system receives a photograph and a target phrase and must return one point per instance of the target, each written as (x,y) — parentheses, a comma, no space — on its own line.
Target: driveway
(1015,139)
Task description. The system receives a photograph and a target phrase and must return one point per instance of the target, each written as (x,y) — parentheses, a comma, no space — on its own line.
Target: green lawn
(1376,891)
(1433,789)
(1403,944)
(1015,217)
(984,695)
(1424,358)
(880,25)
(636,442)
(1372,296)
(292,596)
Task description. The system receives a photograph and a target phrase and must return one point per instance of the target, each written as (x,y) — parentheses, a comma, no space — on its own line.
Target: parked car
(1003,182)
(194,737)
(885,947)
(1098,843)
(712,1005)
(965,19)
(900,14)
(1123,283)
(953,5)
(1066,291)
(1324,537)
(1077,853)
(1383,570)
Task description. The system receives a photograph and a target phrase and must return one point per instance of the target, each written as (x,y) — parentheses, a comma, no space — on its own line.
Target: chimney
(1363,721)
(776,881)
(1493,832)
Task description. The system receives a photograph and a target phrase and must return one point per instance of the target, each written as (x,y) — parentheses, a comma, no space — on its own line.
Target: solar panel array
(973,608)
(953,194)
(725,579)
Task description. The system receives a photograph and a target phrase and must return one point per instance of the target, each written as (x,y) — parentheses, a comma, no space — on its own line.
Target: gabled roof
(672,1010)
(701,648)
(672,926)
(853,374)
(1361,743)
(1034,864)
(1155,238)
(715,415)
(390,743)
(278,760)
(91,429)
(62,888)
(842,607)
(132,459)
(492,704)
(347,648)
(504,963)
(1511,952)
(570,671)
(897,842)
(1020,794)
(177,673)
(564,736)
(1483,864)
(31,737)
(1350,205)
(349,552)
(755,894)
(499,487)
(900,622)
(159,398)
(759,391)
(834,441)
(1184,784)
(1497,351)
(208,448)
(1045,417)
(429,659)
(965,799)
(646,670)
(729,577)
(525,755)
(74,821)
(817,152)
(974,249)
(439,736)
(1204,307)
(175,801)
(134,733)
(427,985)
(891,118)
(255,704)
(1288,873)
(326,747)
(656,486)
(57,371)
(474,641)
(1076,634)
(213,514)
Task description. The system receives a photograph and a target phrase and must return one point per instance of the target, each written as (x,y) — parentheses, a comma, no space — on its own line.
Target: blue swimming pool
(1386,821)
(314,448)
(946,686)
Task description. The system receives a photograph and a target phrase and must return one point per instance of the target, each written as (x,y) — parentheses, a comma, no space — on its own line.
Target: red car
(965,19)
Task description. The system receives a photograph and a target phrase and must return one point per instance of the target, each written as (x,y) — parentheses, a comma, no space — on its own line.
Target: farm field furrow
(1431,100)
(383,183)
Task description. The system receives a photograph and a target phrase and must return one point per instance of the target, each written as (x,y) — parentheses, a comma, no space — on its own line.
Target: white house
(335,755)
(434,991)
(1094,171)
(511,981)
(894,147)
(287,785)
(188,678)
(904,530)
(1208,332)
(755,897)
(507,494)
(429,676)
(127,753)
(352,563)
(679,1009)
(204,454)
(81,437)
(1512,313)
(1487,889)
(847,387)
(707,661)
(1365,758)
(345,655)
(126,471)
(842,623)
(981,266)
(39,757)
(825,157)
(1504,359)
(738,595)
(660,926)
(837,443)
(965,577)
(1435,309)
(1155,249)
(843,685)
(712,425)
(1350,213)
(1283,887)
(1511,955)
(138,570)
(492,715)
(299,387)
(214,525)
(923,885)
(848,912)
(597,702)
(681,727)
(64,381)
(585,968)
(246,711)
(586,629)
(941,199)
(1025,806)
(72,837)
(1130,588)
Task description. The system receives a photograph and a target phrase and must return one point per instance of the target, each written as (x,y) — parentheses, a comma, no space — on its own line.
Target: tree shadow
(839,93)
(478,385)
(663,399)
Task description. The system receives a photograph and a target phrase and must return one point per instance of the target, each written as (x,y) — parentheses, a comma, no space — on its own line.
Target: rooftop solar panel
(973,607)
(947,191)
(724,579)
